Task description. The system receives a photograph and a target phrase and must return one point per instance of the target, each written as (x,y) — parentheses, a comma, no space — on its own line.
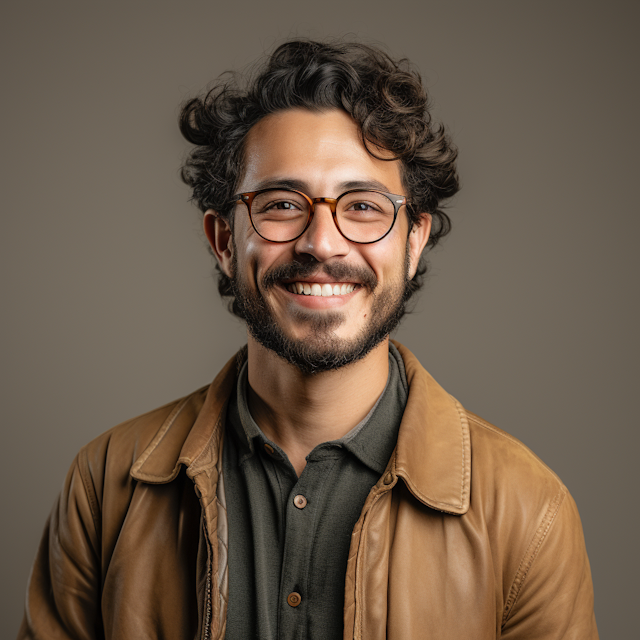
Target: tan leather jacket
(467,535)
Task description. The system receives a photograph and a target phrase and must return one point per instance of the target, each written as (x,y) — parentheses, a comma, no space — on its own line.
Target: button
(300,501)
(268,448)
(388,479)
(294,599)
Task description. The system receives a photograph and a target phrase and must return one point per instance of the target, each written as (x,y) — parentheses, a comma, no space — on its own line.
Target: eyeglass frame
(248,196)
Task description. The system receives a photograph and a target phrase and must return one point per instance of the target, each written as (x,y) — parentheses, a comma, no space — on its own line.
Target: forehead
(322,149)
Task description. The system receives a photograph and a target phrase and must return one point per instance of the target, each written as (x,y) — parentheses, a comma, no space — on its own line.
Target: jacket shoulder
(110,456)
(515,496)
(136,433)
(535,532)
(509,458)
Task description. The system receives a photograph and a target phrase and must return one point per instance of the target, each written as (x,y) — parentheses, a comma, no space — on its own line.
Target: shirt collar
(372,440)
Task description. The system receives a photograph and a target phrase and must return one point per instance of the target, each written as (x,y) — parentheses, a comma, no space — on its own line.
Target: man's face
(322,154)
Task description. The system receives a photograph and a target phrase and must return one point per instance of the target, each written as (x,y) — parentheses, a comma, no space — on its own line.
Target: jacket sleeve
(63,593)
(552,594)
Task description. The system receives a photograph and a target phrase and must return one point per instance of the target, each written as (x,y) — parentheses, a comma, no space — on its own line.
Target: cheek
(386,259)
(256,256)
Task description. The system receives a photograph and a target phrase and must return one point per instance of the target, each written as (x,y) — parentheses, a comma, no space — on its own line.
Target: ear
(219,235)
(418,238)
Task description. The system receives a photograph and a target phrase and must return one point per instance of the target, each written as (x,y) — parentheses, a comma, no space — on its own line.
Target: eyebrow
(301,185)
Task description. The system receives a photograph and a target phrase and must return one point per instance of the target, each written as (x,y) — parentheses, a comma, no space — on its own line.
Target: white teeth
(317,289)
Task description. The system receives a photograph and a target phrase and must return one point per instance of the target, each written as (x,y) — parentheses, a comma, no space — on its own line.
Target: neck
(299,411)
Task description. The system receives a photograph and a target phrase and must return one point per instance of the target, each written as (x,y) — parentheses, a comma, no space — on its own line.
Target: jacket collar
(192,433)
(433,454)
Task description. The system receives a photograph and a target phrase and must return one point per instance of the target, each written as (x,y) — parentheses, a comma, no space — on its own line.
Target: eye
(283,205)
(362,206)
(278,202)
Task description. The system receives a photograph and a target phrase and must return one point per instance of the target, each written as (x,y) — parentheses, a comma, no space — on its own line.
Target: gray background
(530,315)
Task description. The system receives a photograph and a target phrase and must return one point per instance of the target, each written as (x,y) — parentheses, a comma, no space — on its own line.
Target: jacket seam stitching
(362,545)
(223,594)
(531,555)
(464,443)
(216,612)
(358,578)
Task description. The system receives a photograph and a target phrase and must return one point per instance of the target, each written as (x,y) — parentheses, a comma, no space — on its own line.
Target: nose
(322,240)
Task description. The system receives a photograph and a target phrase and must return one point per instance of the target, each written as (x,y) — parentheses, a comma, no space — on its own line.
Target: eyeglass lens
(280,215)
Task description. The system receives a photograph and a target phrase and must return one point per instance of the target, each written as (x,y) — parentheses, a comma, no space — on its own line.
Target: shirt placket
(300,528)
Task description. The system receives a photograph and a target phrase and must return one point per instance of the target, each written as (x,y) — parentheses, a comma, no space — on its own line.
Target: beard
(322,350)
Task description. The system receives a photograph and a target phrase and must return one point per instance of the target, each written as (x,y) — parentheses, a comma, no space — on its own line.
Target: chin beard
(322,350)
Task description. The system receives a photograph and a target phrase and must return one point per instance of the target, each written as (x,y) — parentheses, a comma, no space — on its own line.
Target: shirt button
(294,599)
(388,479)
(300,501)
(268,448)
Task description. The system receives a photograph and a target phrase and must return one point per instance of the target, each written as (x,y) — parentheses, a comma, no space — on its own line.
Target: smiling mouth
(320,289)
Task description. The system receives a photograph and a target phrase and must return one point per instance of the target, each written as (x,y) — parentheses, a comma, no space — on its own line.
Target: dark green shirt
(289,537)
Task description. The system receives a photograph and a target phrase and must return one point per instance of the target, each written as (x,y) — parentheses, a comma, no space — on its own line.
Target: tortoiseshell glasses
(283,215)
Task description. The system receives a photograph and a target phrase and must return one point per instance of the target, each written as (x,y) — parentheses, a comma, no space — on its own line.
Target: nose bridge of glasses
(330,201)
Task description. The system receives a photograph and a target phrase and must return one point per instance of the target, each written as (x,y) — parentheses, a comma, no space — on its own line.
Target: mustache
(339,271)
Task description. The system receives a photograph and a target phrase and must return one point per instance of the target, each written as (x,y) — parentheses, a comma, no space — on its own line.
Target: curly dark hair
(385,97)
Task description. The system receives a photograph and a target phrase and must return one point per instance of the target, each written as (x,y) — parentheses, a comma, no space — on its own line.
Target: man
(324,485)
